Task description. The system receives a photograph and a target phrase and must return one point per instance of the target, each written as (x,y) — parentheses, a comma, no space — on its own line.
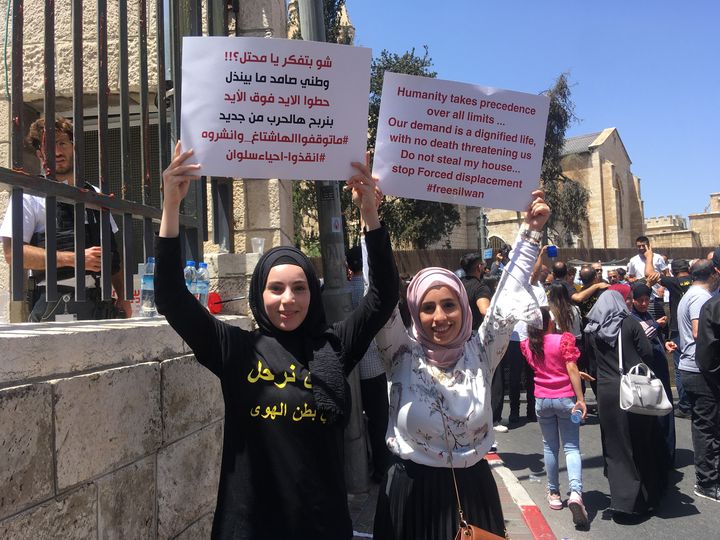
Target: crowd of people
(443,363)
(435,356)
(655,308)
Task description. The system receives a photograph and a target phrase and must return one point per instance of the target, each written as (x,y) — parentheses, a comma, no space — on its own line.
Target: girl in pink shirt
(558,394)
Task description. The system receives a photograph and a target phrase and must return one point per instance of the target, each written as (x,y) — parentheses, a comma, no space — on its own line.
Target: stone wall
(665,223)
(707,225)
(107,429)
(504,224)
(715,202)
(673,239)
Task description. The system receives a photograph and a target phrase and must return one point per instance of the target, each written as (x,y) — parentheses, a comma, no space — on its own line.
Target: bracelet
(534,237)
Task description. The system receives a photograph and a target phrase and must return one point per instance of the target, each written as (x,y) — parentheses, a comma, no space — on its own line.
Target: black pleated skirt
(417,502)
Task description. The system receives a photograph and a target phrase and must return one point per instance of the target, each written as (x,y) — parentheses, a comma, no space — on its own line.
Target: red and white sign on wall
(274,108)
(459,143)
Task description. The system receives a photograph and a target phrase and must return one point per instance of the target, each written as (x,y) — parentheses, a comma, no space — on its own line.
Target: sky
(651,69)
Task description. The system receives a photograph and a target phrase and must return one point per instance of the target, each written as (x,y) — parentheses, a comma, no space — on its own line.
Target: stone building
(600,162)
(707,223)
(673,231)
(670,231)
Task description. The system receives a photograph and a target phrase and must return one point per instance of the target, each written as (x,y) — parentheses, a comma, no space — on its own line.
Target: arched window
(496,243)
(618,200)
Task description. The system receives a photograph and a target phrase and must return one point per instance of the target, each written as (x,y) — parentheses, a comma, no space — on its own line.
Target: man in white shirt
(636,266)
(34,240)
(639,267)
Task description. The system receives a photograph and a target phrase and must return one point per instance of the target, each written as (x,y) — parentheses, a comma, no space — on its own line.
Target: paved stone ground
(362,511)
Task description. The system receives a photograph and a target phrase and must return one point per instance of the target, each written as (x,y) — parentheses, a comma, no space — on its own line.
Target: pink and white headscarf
(442,356)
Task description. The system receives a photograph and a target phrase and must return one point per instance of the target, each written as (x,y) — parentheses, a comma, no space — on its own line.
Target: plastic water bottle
(202,284)
(190,277)
(147,289)
(576,416)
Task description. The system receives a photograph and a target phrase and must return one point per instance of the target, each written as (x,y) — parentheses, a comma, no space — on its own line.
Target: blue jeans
(553,415)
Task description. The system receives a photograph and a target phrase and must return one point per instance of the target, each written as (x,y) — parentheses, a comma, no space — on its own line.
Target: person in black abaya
(636,470)
(642,295)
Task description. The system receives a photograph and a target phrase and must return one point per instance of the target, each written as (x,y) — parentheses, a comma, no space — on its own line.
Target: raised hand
(365,195)
(176,182)
(537,212)
(177,177)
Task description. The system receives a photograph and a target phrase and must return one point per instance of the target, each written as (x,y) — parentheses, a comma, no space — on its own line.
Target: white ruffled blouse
(420,394)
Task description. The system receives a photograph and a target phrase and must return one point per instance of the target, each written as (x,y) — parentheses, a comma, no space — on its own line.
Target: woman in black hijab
(284,384)
(642,298)
(635,470)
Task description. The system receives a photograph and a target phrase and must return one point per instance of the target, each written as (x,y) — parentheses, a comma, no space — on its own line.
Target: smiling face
(286,296)
(441,314)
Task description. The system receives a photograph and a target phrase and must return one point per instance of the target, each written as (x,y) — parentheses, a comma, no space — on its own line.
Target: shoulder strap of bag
(463,523)
(620,354)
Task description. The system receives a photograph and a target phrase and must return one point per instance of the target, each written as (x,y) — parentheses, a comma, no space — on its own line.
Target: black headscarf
(313,337)
(640,289)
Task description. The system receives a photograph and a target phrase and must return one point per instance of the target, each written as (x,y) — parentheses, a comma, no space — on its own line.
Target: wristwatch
(534,237)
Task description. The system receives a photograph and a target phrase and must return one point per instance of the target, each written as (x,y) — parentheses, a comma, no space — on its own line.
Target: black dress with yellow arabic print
(286,397)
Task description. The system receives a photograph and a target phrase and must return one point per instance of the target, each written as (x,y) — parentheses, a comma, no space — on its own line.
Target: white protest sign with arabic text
(274,108)
(459,143)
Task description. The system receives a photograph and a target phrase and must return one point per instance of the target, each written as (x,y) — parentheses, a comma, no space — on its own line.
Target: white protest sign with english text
(459,143)
(274,108)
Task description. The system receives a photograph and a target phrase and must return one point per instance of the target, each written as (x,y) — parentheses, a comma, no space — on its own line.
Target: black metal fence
(129,155)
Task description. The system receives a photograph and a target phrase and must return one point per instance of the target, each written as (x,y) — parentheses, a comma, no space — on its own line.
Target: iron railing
(185,18)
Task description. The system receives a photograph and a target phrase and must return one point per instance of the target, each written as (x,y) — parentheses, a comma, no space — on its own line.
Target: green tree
(409,221)
(332,13)
(567,197)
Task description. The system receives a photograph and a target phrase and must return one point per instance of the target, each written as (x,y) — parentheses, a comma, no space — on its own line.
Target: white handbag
(640,391)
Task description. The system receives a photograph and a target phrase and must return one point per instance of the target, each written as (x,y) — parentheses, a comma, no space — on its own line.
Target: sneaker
(682,414)
(500,428)
(576,506)
(707,493)
(554,500)
(493,449)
